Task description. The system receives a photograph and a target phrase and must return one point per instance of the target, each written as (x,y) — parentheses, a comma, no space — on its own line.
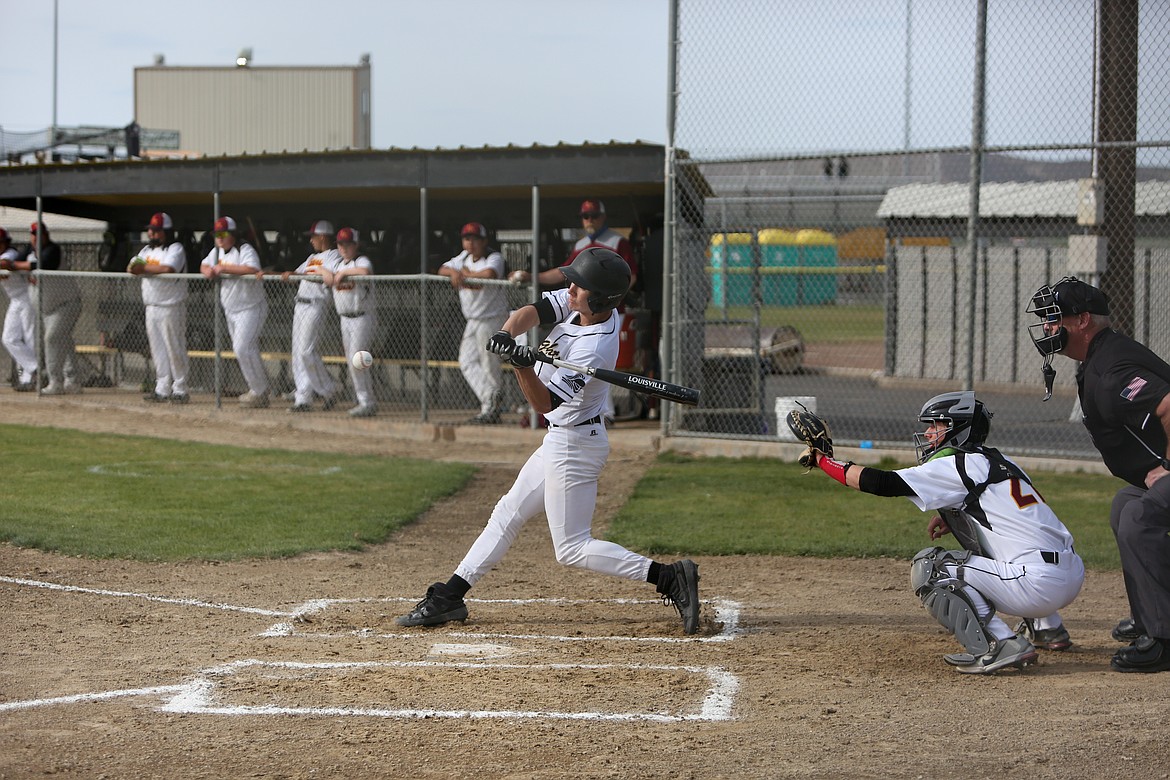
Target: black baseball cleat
(439,606)
(1147,654)
(1127,630)
(679,585)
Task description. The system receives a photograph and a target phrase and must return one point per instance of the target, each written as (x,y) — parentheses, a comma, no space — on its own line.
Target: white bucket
(784,405)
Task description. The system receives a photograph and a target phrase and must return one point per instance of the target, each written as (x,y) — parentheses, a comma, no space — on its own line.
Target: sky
(445,72)
(755,76)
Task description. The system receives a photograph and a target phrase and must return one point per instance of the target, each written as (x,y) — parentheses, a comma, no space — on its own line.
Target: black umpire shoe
(439,606)
(1147,654)
(679,585)
(1128,631)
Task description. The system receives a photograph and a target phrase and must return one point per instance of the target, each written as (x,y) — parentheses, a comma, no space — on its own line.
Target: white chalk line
(727,612)
(198,697)
(148,597)
(86,697)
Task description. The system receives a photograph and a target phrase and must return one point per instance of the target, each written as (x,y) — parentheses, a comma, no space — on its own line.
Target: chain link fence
(416,371)
(828,245)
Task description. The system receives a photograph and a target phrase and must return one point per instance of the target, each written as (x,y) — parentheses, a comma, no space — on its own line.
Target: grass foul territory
(725,506)
(151,499)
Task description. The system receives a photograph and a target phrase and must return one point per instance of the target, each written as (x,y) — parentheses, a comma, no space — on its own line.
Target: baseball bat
(688,396)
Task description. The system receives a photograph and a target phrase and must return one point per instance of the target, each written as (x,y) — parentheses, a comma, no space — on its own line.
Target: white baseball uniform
(165,299)
(60,302)
(356,305)
(19,321)
(485,309)
(309,373)
(1030,569)
(245,307)
(560,478)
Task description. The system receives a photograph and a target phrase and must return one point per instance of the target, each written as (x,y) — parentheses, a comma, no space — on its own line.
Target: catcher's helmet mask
(968,423)
(602,272)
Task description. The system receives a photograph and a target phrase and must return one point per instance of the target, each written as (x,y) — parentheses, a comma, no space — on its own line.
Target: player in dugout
(1017,556)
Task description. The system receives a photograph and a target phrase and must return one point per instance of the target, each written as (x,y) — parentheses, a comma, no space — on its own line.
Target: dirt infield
(294,668)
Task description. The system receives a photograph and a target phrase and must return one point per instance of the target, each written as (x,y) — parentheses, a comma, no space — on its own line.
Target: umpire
(1124,390)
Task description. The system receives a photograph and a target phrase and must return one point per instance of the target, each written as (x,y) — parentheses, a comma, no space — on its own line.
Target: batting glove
(501,343)
(523,357)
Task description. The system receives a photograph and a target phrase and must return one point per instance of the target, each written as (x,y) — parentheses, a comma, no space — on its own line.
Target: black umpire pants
(1141,524)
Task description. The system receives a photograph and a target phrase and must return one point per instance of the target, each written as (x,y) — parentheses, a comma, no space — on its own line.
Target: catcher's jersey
(1018,520)
(595,346)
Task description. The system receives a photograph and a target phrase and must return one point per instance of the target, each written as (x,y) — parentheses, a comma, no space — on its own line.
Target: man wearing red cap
(60,302)
(309,373)
(485,307)
(357,309)
(237,267)
(20,319)
(166,309)
(593,222)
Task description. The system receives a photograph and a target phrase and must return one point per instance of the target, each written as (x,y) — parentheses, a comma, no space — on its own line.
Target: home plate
(463,650)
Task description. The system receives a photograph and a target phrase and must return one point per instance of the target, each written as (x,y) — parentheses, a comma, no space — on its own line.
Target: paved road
(859,409)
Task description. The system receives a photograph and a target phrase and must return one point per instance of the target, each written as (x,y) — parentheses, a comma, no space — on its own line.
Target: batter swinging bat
(639,384)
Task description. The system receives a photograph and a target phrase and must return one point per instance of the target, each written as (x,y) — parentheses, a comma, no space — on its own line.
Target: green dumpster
(818,249)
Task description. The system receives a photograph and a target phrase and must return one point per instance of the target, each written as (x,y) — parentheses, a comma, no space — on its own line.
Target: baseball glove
(814,432)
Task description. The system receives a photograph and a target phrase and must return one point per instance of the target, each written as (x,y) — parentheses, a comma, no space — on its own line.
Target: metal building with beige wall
(251,110)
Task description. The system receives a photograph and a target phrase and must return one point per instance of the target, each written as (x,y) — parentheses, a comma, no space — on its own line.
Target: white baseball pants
(309,372)
(166,330)
(357,333)
(481,369)
(60,348)
(20,335)
(244,329)
(560,478)
(1027,588)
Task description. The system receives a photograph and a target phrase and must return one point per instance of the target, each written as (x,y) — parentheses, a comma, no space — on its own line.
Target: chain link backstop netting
(828,244)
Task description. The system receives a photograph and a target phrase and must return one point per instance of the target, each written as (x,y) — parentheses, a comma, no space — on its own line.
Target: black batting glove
(501,343)
(523,357)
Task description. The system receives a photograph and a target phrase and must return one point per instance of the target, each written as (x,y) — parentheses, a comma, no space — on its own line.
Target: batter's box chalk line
(727,613)
(200,695)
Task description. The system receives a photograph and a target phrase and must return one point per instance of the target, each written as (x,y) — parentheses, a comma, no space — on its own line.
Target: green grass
(120,496)
(151,499)
(721,506)
(816,323)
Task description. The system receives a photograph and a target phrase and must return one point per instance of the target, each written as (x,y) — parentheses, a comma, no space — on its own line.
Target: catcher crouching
(1017,556)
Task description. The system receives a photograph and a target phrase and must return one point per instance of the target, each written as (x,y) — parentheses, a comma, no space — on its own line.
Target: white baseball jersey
(1018,521)
(481,302)
(314,291)
(358,299)
(586,345)
(160,290)
(15,285)
(238,293)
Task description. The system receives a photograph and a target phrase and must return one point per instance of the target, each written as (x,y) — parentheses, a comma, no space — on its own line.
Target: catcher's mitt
(814,432)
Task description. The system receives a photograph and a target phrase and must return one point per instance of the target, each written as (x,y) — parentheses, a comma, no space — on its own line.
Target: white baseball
(362,360)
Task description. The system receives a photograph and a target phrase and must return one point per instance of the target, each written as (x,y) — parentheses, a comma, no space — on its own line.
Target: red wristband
(834,468)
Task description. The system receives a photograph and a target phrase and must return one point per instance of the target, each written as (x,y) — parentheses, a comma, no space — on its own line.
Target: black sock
(654,573)
(458,585)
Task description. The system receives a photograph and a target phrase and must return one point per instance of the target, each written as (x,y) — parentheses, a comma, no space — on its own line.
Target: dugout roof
(380,189)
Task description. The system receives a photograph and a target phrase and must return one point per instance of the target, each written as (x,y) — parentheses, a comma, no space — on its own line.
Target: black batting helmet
(602,272)
(968,423)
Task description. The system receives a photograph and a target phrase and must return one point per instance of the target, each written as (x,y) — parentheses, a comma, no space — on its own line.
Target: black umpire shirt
(1121,384)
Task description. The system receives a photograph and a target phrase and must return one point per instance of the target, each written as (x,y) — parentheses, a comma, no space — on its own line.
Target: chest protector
(1000,469)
